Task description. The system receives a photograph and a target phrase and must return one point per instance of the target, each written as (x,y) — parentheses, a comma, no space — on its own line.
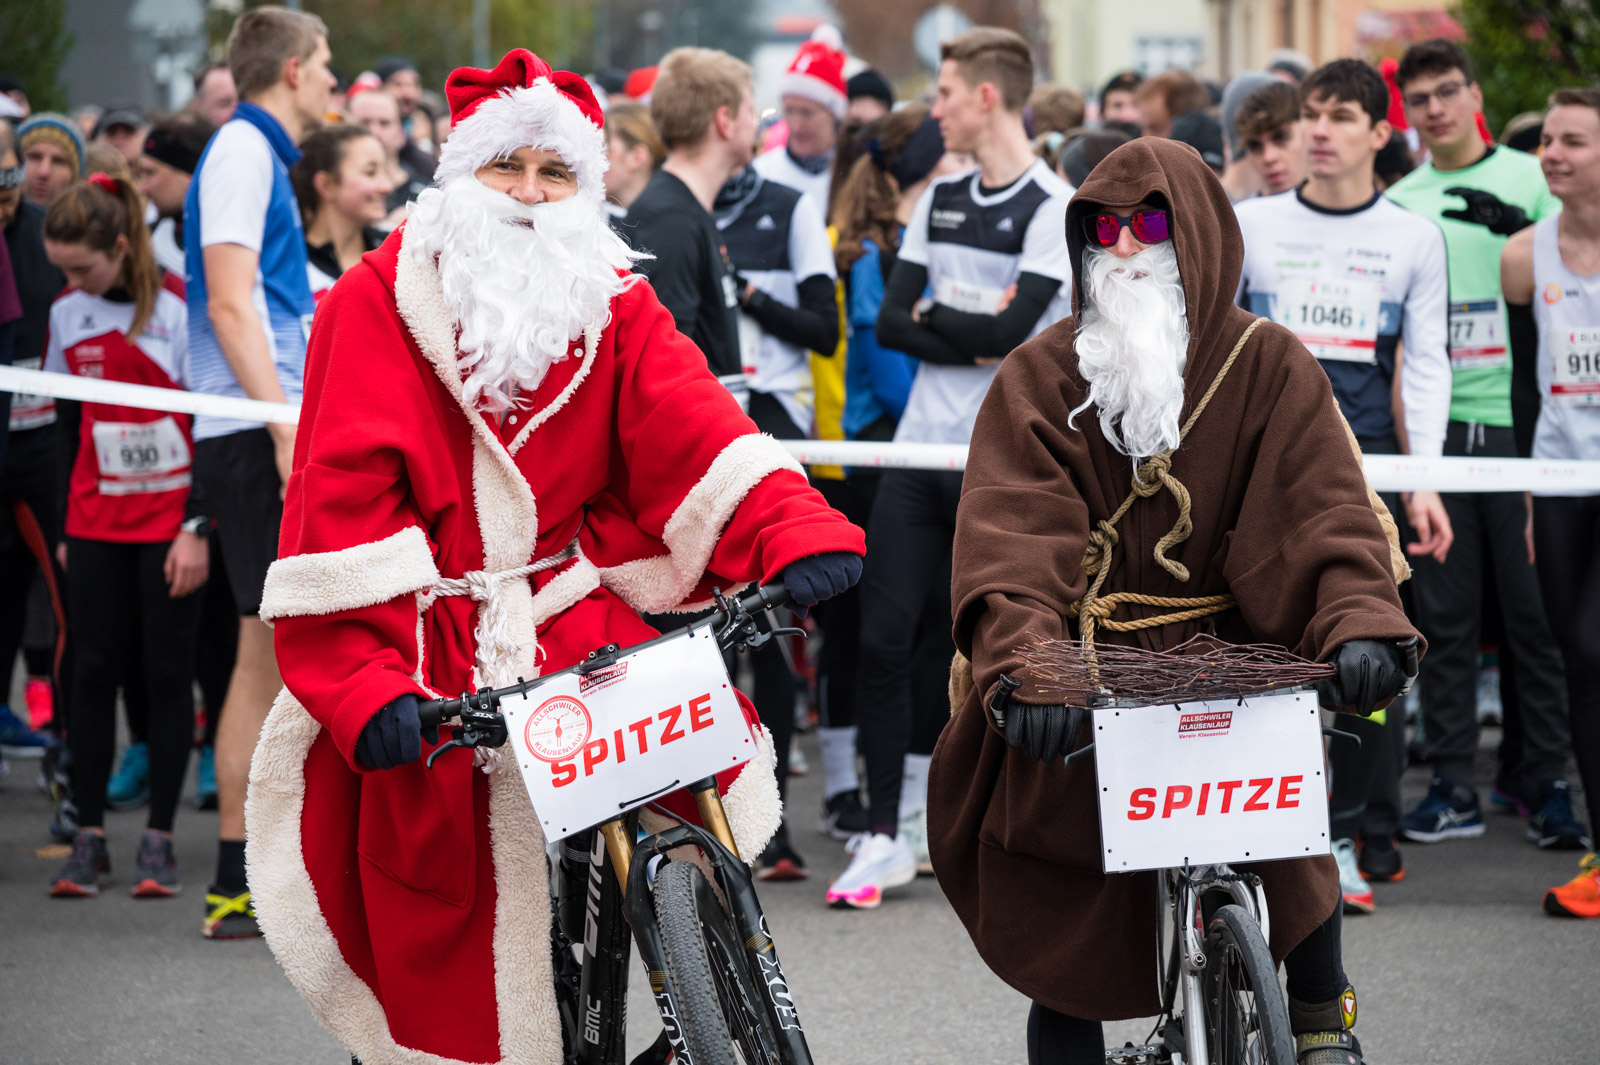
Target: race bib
(1575,381)
(30,411)
(1477,335)
(974,299)
(1334,319)
(749,344)
(139,457)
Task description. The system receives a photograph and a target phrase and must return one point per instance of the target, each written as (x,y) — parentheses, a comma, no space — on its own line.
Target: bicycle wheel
(719,1004)
(1247,1018)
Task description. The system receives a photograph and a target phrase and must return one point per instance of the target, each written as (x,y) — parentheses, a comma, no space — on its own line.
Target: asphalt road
(1458,965)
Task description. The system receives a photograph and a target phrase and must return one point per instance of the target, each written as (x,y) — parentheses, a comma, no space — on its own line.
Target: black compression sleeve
(994,336)
(814,325)
(899,332)
(1524,338)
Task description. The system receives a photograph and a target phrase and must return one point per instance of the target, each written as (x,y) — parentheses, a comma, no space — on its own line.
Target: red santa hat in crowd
(817,72)
(523,103)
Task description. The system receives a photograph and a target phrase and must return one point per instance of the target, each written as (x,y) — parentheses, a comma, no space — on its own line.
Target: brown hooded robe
(1281,520)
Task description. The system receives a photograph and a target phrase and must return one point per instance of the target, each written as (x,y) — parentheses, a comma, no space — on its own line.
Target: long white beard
(1133,339)
(521,282)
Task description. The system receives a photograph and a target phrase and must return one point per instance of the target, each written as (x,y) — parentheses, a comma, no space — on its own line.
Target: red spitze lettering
(1215,798)
(638,738)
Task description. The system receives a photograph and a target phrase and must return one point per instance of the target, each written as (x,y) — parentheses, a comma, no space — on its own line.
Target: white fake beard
(522,283)
(1132,342)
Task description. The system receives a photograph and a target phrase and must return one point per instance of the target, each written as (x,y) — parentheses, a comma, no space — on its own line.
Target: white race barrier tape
(1386,473)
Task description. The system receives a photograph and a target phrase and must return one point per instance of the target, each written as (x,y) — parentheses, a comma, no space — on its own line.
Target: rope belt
(1153,474)
(496,649)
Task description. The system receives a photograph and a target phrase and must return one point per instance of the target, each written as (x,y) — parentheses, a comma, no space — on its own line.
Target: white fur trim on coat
(361,576)
(663,583)
(303,943)
(539,116)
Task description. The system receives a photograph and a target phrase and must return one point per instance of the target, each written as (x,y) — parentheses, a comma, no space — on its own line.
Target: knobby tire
(719,1004)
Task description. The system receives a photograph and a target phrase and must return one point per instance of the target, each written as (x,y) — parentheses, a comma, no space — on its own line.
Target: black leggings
(125,620)
(1315,973)
(906,645)
(1566,534)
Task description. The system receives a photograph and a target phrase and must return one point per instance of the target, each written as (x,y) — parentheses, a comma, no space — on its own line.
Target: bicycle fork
(633,869)
(1182,897)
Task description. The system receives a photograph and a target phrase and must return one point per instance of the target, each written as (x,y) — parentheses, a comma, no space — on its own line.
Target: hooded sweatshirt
(1282,520)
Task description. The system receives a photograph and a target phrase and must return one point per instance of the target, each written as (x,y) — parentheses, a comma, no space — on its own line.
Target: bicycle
(1221,1002)
(713,968)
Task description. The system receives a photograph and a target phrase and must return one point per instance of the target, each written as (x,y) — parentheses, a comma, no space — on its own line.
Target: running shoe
(1490,711)
(877,863)
(798,766)
(17,738)
(914,830)
(205,780)
(229,916)
(156,876)
(1446,812)
(781,862)
(1510,794)
(1357,893)
(87,870)
(1580,896)
(843,815)
(1555,826)
(129,786)
(1380,860)
(40,700)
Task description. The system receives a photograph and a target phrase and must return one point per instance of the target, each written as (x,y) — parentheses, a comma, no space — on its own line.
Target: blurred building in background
(138,52)
(1092,39)
(1241,33)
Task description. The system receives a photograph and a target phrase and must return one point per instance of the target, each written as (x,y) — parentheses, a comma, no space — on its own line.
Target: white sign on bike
(1208,782)
(592,746)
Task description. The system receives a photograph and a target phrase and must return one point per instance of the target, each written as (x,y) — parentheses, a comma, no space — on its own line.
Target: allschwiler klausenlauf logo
(558,729)
(1207,723)
(602,678)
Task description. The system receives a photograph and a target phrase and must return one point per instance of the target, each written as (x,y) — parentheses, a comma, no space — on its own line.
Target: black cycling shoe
(1322,1031)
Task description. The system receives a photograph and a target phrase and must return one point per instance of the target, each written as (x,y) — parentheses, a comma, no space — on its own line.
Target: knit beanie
(57,128)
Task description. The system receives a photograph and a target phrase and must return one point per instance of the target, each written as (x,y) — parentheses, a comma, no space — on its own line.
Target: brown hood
(1206,233)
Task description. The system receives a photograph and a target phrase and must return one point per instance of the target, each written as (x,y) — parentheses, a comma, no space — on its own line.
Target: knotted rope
(1153,474)
(497,650)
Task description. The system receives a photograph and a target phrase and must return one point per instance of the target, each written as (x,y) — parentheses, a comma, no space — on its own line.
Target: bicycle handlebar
(736,626)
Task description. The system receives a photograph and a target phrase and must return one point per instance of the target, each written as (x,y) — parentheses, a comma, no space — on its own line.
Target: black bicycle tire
(684,905)
(1232,926)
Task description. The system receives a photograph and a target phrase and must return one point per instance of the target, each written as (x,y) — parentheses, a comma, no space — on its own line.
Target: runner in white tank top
(1550,274)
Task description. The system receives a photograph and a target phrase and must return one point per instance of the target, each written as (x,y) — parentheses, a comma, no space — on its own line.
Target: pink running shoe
(40,700)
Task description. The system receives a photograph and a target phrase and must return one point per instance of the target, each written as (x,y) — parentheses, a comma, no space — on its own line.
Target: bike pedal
(1128,1054)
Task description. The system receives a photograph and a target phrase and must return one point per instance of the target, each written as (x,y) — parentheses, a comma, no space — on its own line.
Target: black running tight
(123,621)
(1566,534)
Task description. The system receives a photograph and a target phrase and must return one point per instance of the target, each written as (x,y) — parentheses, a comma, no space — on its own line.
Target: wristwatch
(197,526)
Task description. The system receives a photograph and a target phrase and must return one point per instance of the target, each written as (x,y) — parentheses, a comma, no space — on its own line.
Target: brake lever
(478,728)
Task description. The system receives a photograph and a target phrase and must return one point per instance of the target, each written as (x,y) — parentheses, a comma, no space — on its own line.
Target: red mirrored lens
(1104,229)
(1150,226)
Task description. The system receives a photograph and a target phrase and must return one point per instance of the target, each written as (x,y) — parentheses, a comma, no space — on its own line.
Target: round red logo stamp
(557,729)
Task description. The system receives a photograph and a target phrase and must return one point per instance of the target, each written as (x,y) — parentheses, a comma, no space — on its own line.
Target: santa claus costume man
(506,451)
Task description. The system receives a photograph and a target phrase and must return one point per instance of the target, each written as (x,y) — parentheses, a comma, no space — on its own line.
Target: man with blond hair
(249,312)
(704,109)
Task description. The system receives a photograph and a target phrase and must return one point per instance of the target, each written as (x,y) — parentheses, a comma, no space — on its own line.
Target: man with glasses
(1479,194)
(1355,277)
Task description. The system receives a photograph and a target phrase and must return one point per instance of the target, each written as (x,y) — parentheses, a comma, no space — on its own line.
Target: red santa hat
(817,72)
(523,103)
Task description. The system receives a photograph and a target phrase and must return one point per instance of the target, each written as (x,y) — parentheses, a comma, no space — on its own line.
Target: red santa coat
(409,906)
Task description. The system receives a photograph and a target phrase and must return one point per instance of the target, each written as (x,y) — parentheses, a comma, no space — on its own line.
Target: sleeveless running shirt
(1566,307)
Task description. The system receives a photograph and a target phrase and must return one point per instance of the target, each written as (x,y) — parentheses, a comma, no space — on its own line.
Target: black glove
(1368,674)
(1488,210)
(394,735)
(1044,733)
(814,578)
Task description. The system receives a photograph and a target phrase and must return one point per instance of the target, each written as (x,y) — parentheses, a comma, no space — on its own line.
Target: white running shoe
(877,863)
(1353,886)
(914,830)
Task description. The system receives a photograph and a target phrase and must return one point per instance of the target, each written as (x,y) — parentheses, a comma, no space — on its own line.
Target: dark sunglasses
(1149,227)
